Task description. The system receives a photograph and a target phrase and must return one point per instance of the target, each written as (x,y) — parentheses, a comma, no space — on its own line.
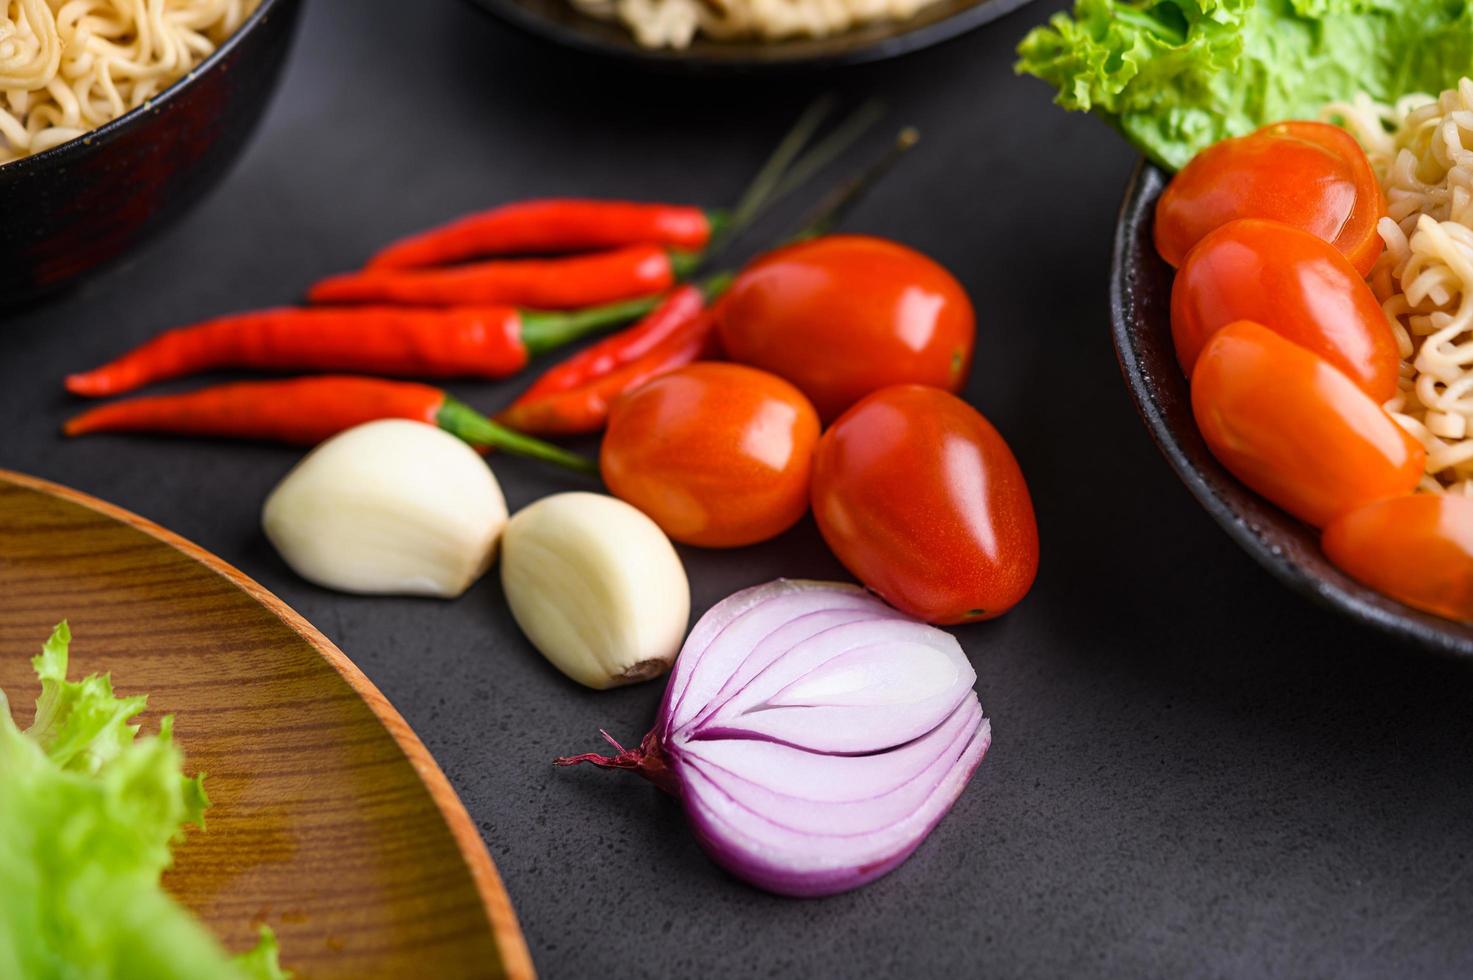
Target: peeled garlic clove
(597,588)
(393,507)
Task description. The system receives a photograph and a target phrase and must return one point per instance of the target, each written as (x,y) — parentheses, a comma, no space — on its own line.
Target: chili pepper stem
(832,147)
(785,170)
(718,220)
(685,264)
(459,419)
(832,209)
(543,330)
(767,178)
(715,284)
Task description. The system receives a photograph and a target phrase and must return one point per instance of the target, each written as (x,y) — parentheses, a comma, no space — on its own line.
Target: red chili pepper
(305,411)
(489,342)
(585,408)
(552,226)
(591,380)
(631,343)
(547,284)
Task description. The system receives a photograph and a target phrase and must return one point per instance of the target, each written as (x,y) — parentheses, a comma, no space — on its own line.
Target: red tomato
(844,315)
(920,498)
(1417,549)
(1292,427)
(1311,175)
(716,454)
(1294,284)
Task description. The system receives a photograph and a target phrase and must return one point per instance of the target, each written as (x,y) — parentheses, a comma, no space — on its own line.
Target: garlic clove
(597,587)
(389,507)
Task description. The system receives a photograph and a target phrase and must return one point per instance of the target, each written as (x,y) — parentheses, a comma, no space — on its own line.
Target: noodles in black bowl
(95,156)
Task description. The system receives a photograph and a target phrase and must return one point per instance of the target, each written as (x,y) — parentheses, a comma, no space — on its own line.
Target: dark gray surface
(1194,773)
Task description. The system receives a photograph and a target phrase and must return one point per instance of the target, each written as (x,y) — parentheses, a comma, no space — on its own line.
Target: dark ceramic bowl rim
(109,129)
(1204,476)
(954,25)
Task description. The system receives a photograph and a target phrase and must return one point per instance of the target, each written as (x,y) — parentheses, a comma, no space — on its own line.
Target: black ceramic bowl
(71,209)
(558,22)
(1140,302)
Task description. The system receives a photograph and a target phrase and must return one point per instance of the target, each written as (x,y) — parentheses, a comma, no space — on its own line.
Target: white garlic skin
(597,587)
(392,507)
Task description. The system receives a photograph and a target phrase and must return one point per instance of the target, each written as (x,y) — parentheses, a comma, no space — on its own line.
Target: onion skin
(813,734)
(816,881)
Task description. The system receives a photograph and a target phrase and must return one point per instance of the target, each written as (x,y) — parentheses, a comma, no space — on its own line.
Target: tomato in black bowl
(1140,314)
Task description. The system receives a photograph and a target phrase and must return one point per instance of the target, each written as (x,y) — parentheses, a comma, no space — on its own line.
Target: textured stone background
(1194,771)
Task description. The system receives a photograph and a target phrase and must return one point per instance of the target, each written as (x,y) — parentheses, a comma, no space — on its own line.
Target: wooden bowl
(1140,314)
(331,823)
(556,21)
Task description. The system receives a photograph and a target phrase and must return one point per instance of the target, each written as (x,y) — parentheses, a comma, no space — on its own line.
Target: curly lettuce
(88,813)
(1175,76)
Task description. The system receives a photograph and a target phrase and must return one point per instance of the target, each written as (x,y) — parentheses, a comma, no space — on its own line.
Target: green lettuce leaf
(1175,76)
(88,813)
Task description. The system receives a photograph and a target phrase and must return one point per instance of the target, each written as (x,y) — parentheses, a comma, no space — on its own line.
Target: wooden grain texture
(331,822)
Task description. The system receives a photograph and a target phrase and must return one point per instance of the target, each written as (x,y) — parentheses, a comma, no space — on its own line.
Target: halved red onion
(813,734)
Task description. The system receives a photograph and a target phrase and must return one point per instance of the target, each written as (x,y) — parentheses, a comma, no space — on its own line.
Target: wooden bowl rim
(510,943)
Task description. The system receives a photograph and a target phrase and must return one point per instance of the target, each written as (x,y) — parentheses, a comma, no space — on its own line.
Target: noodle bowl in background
(1422,152)
(675,23)
(69,66)
(73,201)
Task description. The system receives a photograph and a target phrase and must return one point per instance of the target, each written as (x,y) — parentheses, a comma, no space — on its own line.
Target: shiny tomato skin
(843,315)
(718,455)
(1311,175)
(1416,549)
(1292,283)
(1297,430)
(922,500)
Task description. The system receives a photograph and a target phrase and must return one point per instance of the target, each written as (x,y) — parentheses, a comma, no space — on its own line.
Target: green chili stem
(832,209)
(759,191)
(787,169)
(719,219)
(543,330)
(715,284)
(832,147)
(685,264)
(459,419)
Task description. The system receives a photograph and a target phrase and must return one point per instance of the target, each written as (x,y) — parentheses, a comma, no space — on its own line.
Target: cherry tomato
(1292,283)
(1295,429)
(1311,175)
(920,498)
(844,315)
(716,454)
(1417,549)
